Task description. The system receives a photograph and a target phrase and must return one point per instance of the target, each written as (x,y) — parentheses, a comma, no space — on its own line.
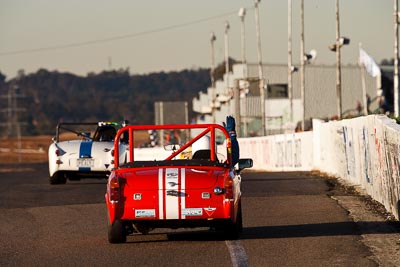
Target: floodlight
(344,41)
(226,25)
(332,47)
(242,12)
(213,38)
(310,56)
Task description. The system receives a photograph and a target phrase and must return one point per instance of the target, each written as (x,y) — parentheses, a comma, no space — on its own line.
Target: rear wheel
(116,232)
(233,229)
(58,178)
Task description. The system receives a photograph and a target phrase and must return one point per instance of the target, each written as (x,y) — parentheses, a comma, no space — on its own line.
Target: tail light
(112,155)
(114,189)
(228,187)
(59,152)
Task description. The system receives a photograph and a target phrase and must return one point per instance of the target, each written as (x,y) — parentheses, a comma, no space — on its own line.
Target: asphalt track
(290,219)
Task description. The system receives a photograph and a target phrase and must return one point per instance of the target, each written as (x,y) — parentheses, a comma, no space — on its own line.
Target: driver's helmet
(107,134)
(201,148)
(201,144)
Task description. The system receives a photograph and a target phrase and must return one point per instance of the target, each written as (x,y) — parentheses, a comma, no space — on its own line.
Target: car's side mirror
(245,163)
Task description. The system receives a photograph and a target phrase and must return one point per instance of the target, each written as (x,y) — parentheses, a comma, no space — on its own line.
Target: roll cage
(102,129)
(206,129)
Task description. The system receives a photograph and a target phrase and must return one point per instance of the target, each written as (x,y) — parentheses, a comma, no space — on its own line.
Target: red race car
(189,182)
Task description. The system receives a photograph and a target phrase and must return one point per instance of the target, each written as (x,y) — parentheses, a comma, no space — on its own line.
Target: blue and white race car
(84,150)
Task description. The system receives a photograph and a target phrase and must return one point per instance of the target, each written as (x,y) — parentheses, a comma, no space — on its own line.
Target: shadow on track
(281,231)
(320,229)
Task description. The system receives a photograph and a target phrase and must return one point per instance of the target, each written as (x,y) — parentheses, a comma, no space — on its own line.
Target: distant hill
(49,97)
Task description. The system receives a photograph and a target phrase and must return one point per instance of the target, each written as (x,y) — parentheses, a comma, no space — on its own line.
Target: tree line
(47,97)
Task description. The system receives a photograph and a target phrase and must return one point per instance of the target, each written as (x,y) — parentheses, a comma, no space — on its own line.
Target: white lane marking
(238,255)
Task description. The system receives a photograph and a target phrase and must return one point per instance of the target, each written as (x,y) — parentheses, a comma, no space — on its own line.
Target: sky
(91,36)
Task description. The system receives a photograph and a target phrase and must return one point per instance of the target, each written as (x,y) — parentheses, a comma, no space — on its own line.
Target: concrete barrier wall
(285,152)
(363,151)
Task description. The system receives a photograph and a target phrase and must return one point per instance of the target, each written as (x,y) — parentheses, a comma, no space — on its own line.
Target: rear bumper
(83,175)
(208,218)
(187,223)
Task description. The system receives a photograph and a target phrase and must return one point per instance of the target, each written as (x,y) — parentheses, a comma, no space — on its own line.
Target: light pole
(236,95)
(290,71)
(242,14)
(396,60)
(338,66)
(260,67)
(340,41)
(213,38)
(336,48)
(227,60)
(302,69)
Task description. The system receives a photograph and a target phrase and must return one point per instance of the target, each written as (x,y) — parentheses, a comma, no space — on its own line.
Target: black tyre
(57,178)
(233,229)
(116,232)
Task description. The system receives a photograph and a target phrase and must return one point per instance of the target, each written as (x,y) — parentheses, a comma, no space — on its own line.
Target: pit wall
(284,152)
(363,151)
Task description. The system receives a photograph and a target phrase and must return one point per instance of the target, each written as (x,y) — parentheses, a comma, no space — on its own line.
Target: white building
(320,97)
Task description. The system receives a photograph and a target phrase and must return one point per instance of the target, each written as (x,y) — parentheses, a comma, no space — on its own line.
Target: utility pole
(10,106)
(260,68)
(13,125)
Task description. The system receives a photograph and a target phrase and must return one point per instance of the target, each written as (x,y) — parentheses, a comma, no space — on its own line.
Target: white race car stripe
(182,187)
(160,194)
(172,193)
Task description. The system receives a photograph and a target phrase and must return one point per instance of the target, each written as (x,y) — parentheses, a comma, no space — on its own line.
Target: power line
(114,38)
